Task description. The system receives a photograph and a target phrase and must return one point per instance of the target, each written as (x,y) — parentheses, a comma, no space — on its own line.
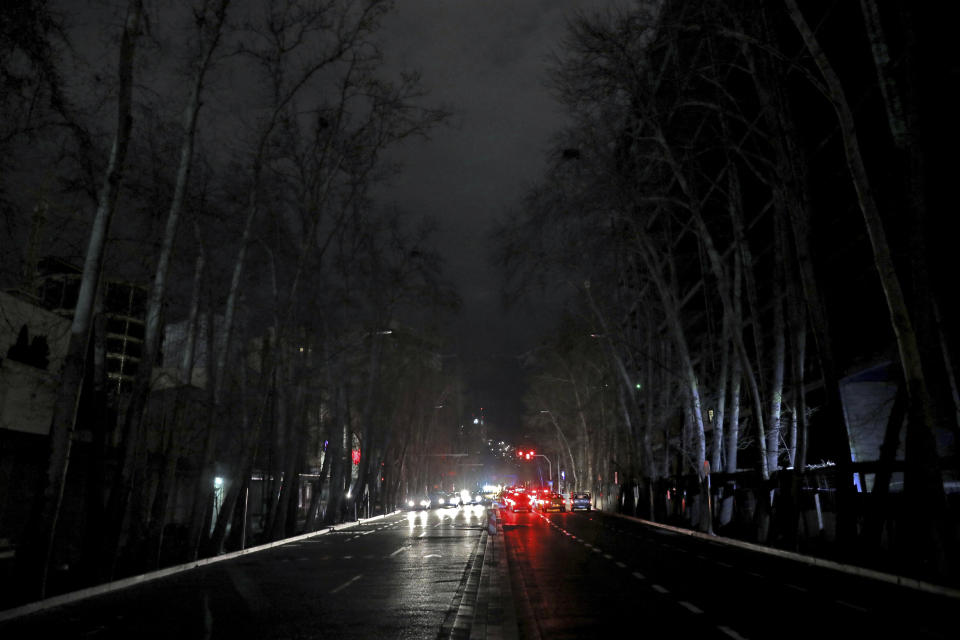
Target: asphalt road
(395,577)
(586,574)
(437,574)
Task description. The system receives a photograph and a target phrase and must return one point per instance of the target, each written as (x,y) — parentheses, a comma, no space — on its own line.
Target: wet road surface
(395,577)
(589,574)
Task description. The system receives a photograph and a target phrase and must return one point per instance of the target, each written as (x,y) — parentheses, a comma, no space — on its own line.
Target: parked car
(552,502)
(580,500)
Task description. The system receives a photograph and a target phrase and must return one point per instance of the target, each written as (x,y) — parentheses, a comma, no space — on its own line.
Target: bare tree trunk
(797,328)
(313,515)
(38,550)
(881,483)
(923,468)
(203,487)
(165,486)
(779,351)
(691,383)
(243,469)
(337,453)
(733,429)
(716,448)
(742,257)
(152,329)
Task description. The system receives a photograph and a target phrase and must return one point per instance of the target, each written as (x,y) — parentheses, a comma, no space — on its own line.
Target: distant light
(218,482)
(476,421)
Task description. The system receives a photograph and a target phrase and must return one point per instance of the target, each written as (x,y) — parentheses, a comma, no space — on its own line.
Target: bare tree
(44,527)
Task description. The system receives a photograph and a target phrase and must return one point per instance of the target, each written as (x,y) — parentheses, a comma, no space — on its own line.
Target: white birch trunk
(779,353)
(922,460)
(40,539)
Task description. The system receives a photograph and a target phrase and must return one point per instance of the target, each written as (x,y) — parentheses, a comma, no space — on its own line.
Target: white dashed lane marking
(690,607)
(730,632)
(660,589)
(851,606)
(347,583)
(621,565)
(638,575)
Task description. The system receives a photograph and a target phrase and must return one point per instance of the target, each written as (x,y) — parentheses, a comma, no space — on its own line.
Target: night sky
(487,61)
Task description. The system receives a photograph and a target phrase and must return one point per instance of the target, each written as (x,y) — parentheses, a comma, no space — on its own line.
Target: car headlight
(410,503)
(424,503)
(439,500)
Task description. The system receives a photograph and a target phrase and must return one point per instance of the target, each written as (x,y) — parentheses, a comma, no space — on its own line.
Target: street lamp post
(549,468)
(563,438)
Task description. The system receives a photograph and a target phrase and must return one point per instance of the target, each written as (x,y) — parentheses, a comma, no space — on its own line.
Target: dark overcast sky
(486,60)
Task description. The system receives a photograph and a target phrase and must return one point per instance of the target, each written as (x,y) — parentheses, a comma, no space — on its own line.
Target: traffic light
(528,454)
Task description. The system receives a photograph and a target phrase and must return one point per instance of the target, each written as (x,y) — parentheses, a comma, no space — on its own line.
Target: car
(580,500)
(452,500)
(552,502)
(519,501)
(415,503)
(537,495)
(468,497)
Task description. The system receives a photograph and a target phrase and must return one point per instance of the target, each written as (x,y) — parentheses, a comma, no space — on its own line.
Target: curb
(903,581)
(107,587)
(495,617)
